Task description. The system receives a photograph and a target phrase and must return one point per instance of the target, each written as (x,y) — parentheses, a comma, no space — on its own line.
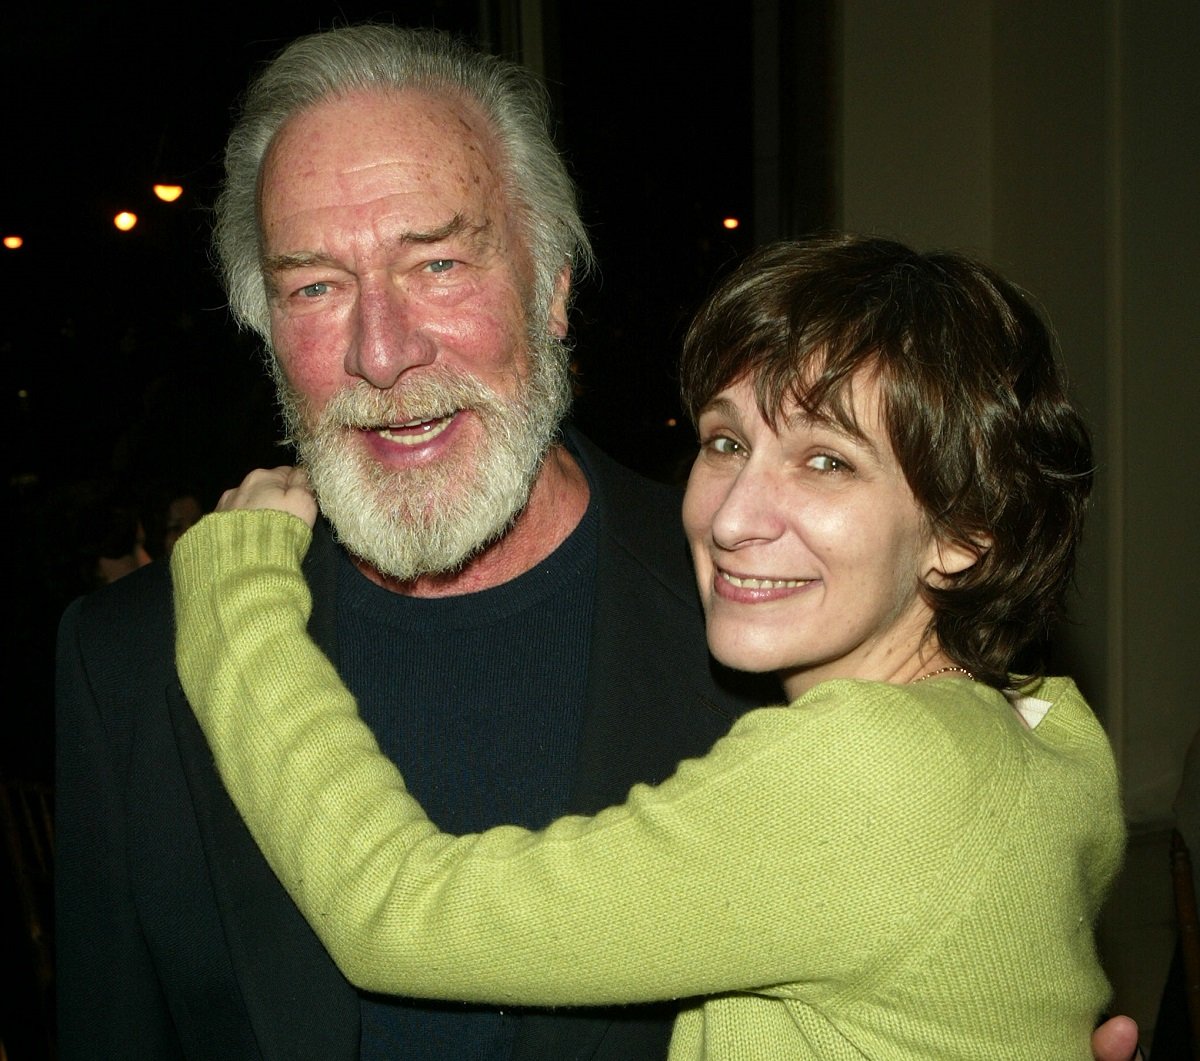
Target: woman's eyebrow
(802,418)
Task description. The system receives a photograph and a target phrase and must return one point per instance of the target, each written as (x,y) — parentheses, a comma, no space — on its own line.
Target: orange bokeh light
(731,222)
(125,220)
(13,242)
(168,193)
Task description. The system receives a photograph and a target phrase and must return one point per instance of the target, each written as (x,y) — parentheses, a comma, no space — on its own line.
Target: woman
(903,861)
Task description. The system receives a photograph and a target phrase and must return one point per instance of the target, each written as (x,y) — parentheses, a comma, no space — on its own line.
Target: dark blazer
(174,937)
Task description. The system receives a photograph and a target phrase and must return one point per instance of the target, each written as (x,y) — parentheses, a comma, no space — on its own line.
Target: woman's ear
(953,558)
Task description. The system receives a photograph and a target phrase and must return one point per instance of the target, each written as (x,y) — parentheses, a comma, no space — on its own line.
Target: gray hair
(328,65)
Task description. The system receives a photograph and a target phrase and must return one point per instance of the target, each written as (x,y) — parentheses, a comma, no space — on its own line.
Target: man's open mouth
(415,432)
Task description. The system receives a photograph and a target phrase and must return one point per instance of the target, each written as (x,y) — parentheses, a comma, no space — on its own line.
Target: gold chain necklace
(944,670)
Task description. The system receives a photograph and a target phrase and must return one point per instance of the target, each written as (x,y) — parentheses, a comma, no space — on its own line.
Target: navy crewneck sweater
(478,699)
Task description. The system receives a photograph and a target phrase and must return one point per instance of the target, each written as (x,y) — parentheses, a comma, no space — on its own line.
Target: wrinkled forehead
(374,142)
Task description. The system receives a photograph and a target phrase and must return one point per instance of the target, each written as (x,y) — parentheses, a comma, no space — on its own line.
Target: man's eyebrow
(280,263)
(457,225)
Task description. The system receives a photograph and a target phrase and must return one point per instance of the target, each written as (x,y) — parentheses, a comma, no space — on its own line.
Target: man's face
(420,391)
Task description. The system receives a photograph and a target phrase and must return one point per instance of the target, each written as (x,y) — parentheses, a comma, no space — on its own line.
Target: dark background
(123,374)
(122,371)
(117,351)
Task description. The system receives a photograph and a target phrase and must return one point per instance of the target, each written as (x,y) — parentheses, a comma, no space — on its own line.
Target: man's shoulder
(618,485)
(125,628)
(639,517)
(140,599)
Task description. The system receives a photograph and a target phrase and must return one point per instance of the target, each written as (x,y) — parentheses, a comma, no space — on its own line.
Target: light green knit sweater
(874,871)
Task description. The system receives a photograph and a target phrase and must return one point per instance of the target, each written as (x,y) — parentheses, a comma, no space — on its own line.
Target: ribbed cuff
(222,541)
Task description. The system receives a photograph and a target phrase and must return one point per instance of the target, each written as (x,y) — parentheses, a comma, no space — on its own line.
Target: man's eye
(442,265)
(313,290)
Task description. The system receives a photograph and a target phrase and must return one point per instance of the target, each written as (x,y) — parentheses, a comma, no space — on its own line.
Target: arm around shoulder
(577,914)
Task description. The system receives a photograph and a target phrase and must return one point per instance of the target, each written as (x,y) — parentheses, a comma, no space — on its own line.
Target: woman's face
(808,544)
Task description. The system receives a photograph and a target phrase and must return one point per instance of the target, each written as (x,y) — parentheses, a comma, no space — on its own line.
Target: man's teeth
(415,432)
(764,583)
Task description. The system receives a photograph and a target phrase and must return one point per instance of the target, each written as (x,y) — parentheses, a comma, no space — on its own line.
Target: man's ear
(557,318)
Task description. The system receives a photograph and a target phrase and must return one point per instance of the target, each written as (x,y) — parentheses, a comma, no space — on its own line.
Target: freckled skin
(348,181)
(391,246)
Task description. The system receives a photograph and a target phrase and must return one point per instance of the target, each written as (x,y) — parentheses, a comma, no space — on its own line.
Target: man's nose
(389,337)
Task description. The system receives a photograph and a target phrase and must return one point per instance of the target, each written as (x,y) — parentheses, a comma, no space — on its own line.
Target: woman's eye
(723,445)
(313,290)
(826,463)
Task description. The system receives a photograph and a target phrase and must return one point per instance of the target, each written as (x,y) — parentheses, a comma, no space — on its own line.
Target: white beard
(433,519)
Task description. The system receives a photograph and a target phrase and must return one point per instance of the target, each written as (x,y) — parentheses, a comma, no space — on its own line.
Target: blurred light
(13,242)
(731,222)
(672,422)
(125,220)
(168,193)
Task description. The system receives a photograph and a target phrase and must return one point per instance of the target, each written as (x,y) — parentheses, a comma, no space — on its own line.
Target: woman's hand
(284,488)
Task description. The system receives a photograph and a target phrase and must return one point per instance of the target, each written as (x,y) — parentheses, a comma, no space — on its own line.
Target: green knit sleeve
(808,848)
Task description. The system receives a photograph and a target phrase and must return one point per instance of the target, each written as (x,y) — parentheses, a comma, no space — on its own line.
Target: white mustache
(431,396)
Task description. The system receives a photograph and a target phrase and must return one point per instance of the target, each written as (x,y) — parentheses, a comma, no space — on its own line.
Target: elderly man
(501,598)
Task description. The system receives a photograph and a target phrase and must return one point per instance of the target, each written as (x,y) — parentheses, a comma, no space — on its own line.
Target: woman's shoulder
(915,711)
(911,739)
(955,703)
(953,728)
